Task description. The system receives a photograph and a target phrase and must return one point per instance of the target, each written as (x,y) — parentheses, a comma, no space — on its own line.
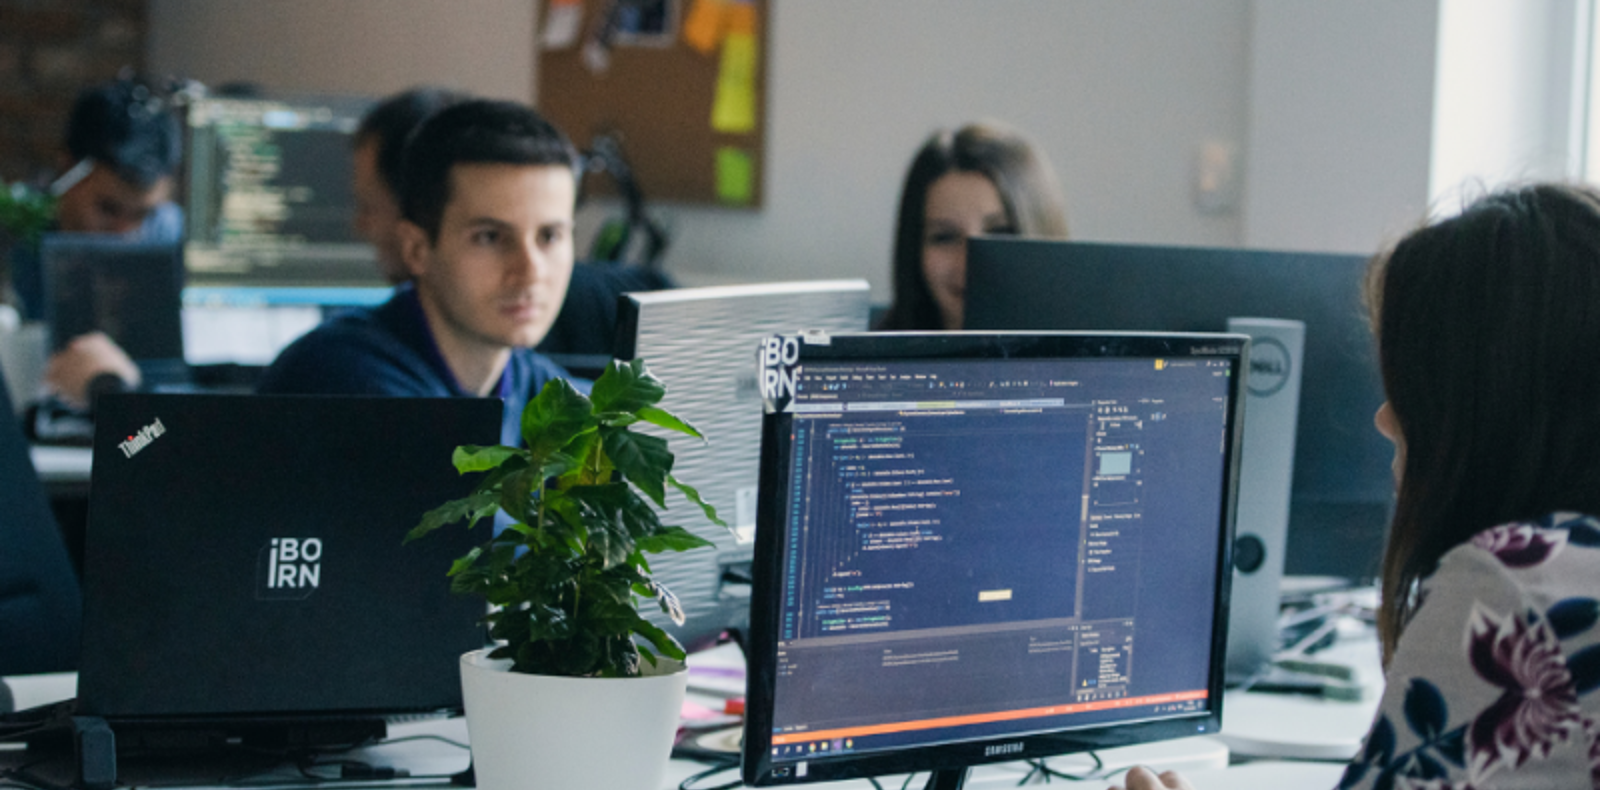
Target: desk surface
(1300,727)
(1255,725)
(57,465)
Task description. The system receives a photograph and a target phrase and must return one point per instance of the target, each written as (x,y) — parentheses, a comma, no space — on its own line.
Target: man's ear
(414,247)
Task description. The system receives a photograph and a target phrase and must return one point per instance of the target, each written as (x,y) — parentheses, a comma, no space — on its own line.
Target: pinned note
(736,176)
(733,110)
(702,29)
(563,20)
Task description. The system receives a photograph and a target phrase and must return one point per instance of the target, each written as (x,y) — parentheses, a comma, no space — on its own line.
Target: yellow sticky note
(733,111)
(736,176)
(702,29)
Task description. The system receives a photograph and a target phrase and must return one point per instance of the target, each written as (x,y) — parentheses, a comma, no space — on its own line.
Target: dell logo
(289,568)
(1004,748)
(1269,366)
(142,439)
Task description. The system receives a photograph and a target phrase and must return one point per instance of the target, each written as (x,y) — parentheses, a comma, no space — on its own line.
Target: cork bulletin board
(680,83)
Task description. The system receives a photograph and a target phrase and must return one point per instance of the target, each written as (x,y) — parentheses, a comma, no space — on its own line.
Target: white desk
(1255,725)
(61,465)
(1291,726)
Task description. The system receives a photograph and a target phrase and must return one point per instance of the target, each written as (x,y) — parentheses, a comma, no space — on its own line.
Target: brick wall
(49,50)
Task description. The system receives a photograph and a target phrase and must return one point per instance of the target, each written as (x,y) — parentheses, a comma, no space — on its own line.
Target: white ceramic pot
(539,731)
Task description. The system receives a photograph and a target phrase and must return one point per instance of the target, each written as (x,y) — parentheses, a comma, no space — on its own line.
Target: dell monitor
(701,342)
(974,548)
(271,245)
(1343,487)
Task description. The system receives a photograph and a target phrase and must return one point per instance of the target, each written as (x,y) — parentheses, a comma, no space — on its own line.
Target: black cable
(408,738)
(712,771)
(1041,768)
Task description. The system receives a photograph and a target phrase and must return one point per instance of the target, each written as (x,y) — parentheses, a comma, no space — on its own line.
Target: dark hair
(1019,172)
(1488,328)
(128,126)
(473,132)
(390,121)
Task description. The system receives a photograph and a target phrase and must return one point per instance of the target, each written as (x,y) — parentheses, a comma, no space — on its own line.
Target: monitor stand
(947,779)
(7,702)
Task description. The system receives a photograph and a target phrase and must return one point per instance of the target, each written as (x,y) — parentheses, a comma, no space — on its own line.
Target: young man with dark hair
(123,144)
(375,180)
(487,195)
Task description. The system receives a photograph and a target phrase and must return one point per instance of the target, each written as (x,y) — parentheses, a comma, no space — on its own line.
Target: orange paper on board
(703,28)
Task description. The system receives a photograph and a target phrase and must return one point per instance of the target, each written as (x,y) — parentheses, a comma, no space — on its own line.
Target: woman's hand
(1141,778)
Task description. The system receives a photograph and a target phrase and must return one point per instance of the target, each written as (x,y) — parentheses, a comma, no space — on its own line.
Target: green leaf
(472,458)
(626,387)
(461,565)
(643,459)
(694,496)
(672,539)
(473,507)
(662,640)
(617,419)
(668,420)
(553,418)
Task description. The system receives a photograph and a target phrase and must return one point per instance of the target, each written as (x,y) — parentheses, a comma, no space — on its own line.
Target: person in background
(123,144)
(375,178)
(488,191)
(984,178)
(1488,336)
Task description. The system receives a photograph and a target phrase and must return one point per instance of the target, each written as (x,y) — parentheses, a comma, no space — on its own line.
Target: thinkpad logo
(289,569)
(142,439)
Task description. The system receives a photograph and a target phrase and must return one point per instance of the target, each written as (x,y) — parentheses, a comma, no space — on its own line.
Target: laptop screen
(969,545)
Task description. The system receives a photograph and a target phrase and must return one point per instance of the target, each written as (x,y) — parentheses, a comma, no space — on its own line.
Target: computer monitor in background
(41,609)
(702,343)
(271,245)
(129,290)
(1343,486)
(973,548)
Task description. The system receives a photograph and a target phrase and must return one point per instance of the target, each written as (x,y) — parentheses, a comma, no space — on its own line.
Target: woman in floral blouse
(1488,329)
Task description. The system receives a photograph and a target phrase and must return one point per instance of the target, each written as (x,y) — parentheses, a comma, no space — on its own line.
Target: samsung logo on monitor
(1004,748)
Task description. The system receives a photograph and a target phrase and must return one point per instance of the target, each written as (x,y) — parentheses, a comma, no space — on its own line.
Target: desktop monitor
(271,246)
(129,290)
(40,605)
(1343,487)
(982,547)
(700,342)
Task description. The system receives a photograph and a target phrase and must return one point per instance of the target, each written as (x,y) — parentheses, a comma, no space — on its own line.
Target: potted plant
(581,691)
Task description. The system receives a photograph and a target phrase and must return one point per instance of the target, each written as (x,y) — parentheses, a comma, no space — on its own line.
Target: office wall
(1120,93)
(1340,122)
(348,46)
(1326,108)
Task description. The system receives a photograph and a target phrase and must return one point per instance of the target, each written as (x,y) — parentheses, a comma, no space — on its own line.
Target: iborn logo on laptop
(289,569)
(142,439)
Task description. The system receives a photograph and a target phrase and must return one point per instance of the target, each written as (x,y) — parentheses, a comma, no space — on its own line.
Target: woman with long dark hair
(1488,329)
(981,178)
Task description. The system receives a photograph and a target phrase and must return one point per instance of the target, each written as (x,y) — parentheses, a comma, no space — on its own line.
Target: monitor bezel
(758,766)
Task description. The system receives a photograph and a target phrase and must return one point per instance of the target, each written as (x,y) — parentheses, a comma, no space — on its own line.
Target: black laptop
(130,290)
(244,558)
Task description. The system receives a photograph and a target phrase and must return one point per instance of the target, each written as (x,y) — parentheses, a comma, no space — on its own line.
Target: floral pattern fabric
(1493,682)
